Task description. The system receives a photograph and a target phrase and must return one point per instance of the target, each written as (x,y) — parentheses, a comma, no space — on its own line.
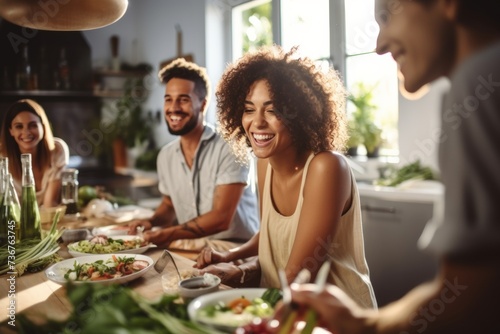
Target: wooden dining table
(34,295)
(39,298)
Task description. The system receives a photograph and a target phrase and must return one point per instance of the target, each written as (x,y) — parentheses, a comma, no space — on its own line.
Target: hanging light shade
(62,15)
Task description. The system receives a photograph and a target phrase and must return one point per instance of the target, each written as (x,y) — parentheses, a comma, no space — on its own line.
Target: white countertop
(410,191)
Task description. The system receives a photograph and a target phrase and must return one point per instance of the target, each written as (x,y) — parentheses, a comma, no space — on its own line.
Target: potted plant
(130,129)
(362,127)
(355,138)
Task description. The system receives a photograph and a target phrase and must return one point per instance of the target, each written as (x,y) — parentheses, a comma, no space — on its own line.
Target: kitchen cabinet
(50,62)
(391,230)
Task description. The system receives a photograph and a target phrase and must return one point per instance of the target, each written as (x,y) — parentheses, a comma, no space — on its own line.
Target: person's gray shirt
(192,190)
(469,157)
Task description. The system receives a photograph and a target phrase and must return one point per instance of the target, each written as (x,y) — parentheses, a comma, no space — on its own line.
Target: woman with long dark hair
(26,129)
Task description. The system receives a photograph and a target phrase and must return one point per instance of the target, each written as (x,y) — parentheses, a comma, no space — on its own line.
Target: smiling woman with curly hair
(309,101)
(290,113)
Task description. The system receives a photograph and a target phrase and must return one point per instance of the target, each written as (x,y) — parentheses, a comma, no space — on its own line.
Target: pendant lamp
(62,15)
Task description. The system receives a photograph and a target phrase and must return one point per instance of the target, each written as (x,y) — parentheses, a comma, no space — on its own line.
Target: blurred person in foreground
(291,114)
(26,129)
(207,199)
(459,39)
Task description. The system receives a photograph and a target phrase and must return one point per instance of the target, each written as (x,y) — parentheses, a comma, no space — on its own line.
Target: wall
(150,26)
(148,35)
(419,122)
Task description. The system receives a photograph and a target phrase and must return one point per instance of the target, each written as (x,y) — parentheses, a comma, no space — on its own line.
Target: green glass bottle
(4,169)
(30,215)
(10,211)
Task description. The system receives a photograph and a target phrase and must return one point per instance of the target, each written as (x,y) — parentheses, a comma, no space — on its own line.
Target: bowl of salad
(227,310)
(101,244)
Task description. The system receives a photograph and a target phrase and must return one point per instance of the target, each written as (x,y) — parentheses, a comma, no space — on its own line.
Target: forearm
(202,226)
(250,271)
(462,298)
(164,214)
(248,249)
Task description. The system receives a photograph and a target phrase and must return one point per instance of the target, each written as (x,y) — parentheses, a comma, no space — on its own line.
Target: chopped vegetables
(272,296)
(102,244)
(99,270)
(239,311)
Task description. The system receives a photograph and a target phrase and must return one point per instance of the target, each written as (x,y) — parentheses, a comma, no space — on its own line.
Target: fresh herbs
(117,309)
(412,171)
(31,254)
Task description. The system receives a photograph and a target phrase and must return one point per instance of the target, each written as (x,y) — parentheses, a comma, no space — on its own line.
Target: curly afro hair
(183,69)
(309,99)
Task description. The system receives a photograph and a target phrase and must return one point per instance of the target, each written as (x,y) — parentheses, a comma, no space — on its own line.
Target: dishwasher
(391,230)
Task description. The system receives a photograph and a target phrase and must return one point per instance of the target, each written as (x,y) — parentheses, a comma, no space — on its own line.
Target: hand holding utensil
(289,312)
(311,316)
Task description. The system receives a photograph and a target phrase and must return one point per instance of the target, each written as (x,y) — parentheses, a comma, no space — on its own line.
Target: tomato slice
(239,304)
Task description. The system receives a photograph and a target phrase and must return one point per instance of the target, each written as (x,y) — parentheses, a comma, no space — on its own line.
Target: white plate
(224,296)
(124,237)
(56,272)
(128,212)
(111,230)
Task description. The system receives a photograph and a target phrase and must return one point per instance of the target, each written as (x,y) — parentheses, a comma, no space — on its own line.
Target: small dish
(197,286)
(170,280)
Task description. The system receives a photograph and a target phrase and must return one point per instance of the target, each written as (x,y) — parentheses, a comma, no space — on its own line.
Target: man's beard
(190,125)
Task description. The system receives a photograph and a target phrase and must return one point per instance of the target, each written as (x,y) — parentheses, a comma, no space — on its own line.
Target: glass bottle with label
(30,215)
(9,213)
(64,82)
(23,72)
(26,79)
(69,193)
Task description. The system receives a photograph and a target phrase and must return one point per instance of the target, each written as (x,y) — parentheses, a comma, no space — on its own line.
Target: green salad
(105,245)
(240,311)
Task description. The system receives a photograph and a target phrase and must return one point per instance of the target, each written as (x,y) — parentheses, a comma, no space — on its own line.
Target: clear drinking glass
(69,191)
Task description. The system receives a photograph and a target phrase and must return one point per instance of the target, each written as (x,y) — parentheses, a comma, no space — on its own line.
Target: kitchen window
(341,33)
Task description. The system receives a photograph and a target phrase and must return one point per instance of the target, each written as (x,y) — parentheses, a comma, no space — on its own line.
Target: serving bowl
(230,323)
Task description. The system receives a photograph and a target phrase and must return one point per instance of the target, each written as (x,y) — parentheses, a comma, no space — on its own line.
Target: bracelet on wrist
(243,273)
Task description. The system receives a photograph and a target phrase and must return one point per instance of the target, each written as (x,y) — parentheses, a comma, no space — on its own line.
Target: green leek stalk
(32,251)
